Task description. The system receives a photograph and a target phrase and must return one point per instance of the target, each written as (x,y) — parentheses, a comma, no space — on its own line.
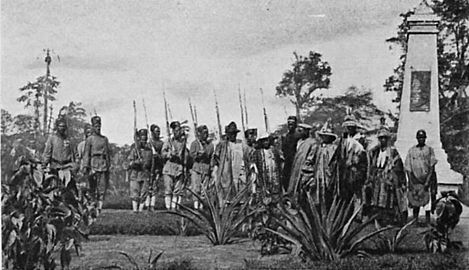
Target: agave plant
(217,220)
(329,237)
(391,243)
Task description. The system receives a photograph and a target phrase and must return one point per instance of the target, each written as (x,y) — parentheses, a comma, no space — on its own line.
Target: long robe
(268,163)
(321,184)
(352,167)
(386,181)
(297,174)
(418,165)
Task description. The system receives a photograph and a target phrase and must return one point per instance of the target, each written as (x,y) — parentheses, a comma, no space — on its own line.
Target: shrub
(38,221)
(392,243)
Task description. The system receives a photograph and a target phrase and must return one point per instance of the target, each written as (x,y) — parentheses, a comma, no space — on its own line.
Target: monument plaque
(420,91)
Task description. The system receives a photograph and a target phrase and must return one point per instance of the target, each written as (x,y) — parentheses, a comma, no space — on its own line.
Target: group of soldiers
(319,164)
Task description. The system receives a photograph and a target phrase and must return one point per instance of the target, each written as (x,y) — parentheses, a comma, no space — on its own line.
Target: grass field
(137,234)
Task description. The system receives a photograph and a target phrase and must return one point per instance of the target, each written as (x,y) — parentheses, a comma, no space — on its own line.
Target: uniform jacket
(201,160)
(58,151)
(97,154)
(140,163)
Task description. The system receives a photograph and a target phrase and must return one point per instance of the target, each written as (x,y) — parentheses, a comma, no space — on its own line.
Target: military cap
(292,118)
(421,133)
(153,127)
(95,119)
(174,124)
(231,128)
(201,128)
(60,120)
(142,132)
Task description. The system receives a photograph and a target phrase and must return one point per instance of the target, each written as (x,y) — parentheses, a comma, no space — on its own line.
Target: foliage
(308,74)
(218,221)
(437,241)
(330,237)
(392,243)
(75,116)
(38,221)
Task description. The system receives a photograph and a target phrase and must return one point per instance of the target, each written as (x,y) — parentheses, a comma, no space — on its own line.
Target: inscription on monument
(420,91)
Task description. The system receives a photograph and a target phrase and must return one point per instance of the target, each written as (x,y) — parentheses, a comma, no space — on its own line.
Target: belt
(61,162)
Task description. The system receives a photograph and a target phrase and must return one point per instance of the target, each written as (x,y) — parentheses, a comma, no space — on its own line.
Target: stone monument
(419,102)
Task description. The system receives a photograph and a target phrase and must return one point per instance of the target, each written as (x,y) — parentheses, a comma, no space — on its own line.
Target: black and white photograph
(234,134)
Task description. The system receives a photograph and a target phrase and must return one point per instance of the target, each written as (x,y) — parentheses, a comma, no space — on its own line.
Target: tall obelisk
(419,102)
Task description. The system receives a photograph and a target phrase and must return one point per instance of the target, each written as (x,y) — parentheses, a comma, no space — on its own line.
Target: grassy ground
(195,252)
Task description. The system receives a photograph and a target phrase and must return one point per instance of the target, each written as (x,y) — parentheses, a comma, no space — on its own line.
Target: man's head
(177,130)
(350,124)
(326,134)
(143,136)
(231,131)
(88,130)
(292,122)
(202,133)
(251,135)
(383,137)
(155,131)
(61,126)
(421,137)
(304,130)
(96,124)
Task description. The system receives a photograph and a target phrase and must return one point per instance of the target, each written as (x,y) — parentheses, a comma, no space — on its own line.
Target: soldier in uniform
(96,162)
(156,145)
(140,165)
(176,155)
(201,151)
(81,149)
(58,154)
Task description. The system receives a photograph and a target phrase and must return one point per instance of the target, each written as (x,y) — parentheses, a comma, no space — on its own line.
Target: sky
(114,51)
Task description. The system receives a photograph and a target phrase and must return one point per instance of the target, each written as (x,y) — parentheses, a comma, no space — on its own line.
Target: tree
(7,122)
(453,77)
(307,75)
(36,95)
(75,116)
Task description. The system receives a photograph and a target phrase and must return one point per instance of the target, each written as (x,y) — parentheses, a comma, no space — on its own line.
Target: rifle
(241,107)
(266,119)
(135,130)
(166,113)
(193,115)
(245,108)
(217,110)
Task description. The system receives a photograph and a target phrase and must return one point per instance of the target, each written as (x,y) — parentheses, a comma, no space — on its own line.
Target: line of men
(296,162)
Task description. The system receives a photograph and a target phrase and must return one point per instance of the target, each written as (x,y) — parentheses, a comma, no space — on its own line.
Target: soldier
(420,168)
(201,151)
(96,162)
(81,148)
(289,142)
(58,154)
(156,145)
(176,155)
(140,165)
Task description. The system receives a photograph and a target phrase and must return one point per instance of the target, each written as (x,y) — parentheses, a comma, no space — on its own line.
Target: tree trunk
(46,114)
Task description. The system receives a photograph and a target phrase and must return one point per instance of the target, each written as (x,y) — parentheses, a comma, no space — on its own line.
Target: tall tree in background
(75,115)
(38,94)
(453,67)
(308,74)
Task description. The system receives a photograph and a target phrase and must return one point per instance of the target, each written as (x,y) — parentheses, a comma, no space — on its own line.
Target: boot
(135,206)
(140,206)
(167,201)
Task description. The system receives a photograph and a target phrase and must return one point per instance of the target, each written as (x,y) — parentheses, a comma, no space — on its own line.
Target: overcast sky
(114,51)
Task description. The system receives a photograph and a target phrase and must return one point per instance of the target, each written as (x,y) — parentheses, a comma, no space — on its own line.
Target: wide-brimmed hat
(350,121)
(231,128)
(384,132)
(251,130)
(305,126)
(326,130)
